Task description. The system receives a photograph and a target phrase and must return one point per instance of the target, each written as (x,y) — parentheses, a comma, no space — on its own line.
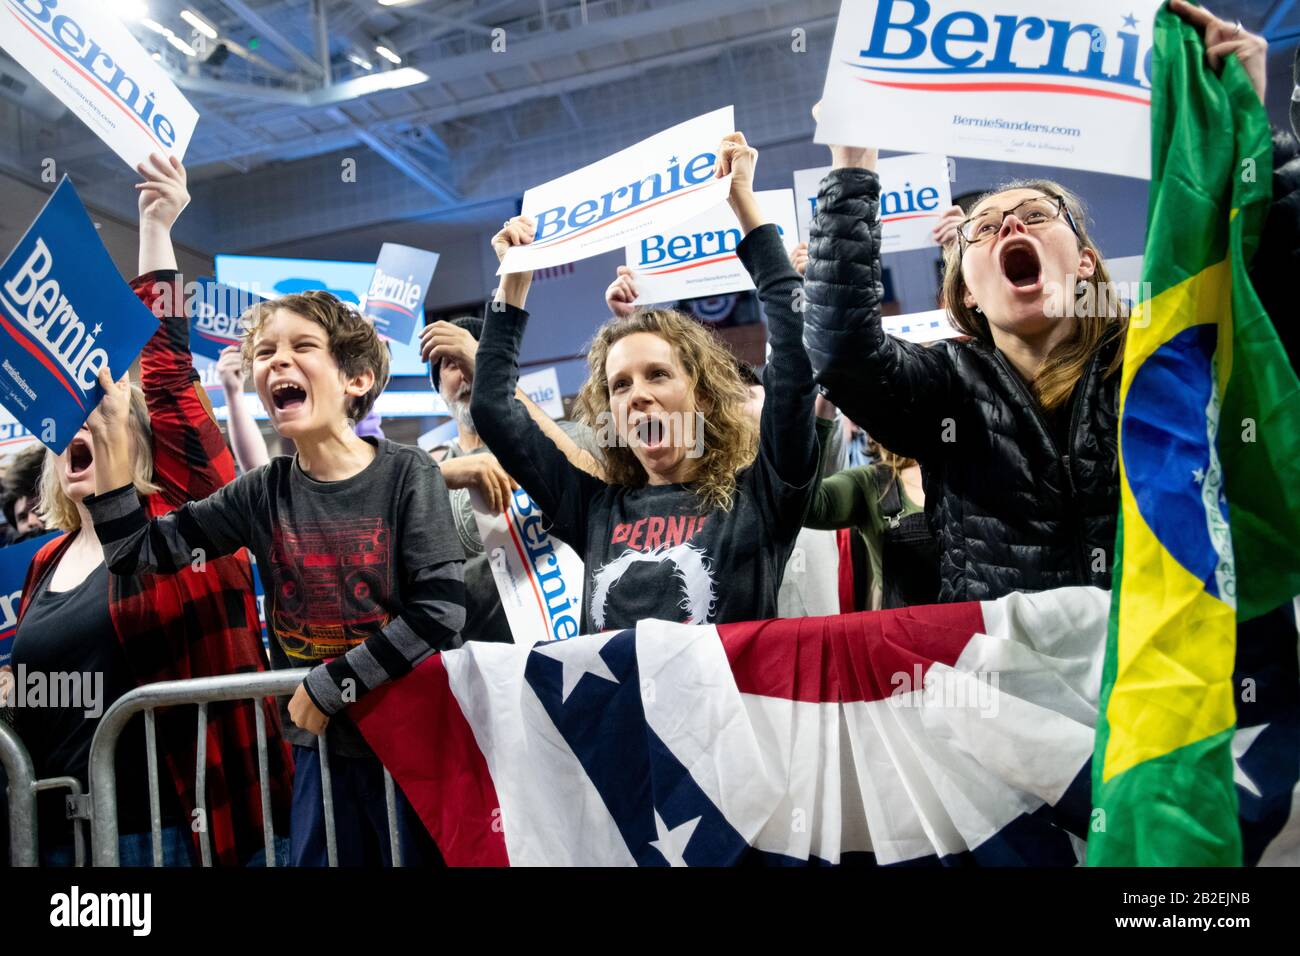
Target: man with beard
(450,348)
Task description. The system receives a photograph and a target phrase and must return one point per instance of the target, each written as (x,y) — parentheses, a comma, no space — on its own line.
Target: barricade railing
(21,788)
(202,691)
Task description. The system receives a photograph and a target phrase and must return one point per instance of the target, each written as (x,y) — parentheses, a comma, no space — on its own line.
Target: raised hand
(230,368)
(622,293)
(1222,39)
(738,159)
(799,258)
(443,340)
(945,231)
(518,231)
(163,193)
(109,419)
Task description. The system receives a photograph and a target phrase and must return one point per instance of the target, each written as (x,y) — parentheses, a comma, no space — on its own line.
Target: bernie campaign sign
(697,258)
(214,310)
(84,55)
(914,193)
(65,313)
(1051,82)
(14,560)
(395,298)
(619,200)
(539,577)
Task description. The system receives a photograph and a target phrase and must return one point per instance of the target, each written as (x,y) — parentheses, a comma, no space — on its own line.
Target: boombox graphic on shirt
(330,581)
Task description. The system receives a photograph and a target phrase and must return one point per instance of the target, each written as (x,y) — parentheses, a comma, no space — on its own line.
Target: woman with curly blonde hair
(695,512)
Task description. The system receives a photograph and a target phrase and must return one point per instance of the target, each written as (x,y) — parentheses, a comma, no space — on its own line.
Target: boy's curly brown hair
(353,341)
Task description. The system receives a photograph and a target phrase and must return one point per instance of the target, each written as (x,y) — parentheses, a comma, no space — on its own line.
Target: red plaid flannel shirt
(193,624)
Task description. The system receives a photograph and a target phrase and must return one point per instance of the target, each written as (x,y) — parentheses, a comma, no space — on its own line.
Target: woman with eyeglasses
(1014,426)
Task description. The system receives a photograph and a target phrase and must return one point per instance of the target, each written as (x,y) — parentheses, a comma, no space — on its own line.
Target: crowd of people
(693,488)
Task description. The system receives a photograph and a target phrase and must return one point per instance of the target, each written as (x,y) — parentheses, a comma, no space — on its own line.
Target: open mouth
(287,396)
(80,458)
(651,432)
(1021,267)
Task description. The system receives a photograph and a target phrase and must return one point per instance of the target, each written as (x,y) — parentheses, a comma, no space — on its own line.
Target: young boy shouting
(354,539)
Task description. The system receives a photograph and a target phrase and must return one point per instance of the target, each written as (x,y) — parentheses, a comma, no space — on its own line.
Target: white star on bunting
(580,656)
(672,843)
(1242,741)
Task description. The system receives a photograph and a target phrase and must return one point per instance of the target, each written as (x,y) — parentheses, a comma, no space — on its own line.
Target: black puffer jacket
(1012,510)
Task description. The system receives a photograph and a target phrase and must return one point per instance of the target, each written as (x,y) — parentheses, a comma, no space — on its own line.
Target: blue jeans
(360,816)
(133,849)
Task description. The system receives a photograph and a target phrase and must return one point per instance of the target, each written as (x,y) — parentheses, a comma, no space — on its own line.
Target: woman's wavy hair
(1063,367)
(58,511)
(730,440)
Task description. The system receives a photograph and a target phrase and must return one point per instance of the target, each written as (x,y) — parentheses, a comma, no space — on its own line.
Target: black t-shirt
(364,573)
(68,633)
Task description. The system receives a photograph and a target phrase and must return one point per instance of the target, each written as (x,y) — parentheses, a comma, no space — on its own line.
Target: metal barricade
(21,789)
(201,691)
(21,792)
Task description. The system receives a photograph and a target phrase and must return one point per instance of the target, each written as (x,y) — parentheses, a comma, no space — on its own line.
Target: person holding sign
(698,511)
(76,617)
(1015,427)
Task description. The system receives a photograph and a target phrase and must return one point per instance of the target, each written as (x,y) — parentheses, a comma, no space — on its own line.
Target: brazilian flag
(1209,448)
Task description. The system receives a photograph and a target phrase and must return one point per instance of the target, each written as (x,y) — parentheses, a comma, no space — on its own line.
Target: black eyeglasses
(1035,212)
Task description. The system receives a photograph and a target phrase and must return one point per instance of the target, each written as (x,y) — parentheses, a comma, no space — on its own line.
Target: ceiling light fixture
(181,45)
(198,23)
(388,54)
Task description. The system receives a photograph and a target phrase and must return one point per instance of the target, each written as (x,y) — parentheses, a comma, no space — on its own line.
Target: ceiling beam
(274,36)
(492,102)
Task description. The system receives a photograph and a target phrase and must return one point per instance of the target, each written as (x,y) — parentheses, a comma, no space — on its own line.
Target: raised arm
(197,531)
(561,489)
(245,437)
(433,600)
(191,459)
(898,391)
(787,436)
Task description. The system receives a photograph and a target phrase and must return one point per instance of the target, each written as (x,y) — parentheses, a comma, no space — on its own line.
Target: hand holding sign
(945,230)
(109,419)
(109,435)
(621,294)
(518,231)
(484,474)
(163,194)
(737,159)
